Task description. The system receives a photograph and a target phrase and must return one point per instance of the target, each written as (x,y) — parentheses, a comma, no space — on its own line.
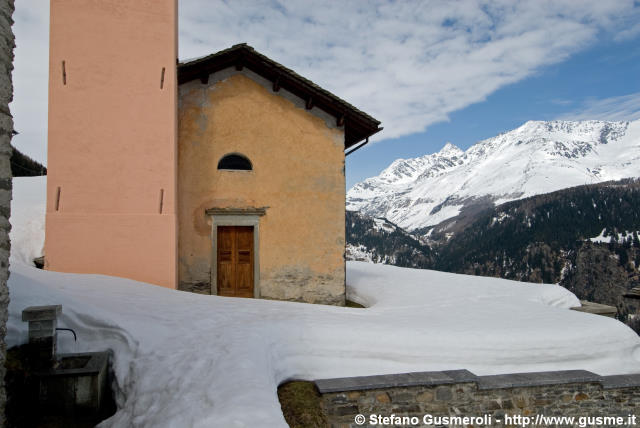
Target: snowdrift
(182,359)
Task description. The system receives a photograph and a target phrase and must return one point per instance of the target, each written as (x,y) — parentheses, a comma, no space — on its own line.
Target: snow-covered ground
(186,360)
(359,252)
(622,236)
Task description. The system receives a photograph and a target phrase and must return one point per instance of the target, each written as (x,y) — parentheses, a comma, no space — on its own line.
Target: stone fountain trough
(70,384)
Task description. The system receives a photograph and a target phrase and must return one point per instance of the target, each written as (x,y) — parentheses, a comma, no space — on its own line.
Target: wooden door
(235,261)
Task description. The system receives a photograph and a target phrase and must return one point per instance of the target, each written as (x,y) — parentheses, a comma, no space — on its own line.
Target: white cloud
(621,108)
(409,64)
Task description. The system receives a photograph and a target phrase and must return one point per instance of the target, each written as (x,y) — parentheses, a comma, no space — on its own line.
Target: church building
(221,175)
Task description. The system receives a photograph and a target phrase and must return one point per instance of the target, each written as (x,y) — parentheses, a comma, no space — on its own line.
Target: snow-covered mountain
(538,157)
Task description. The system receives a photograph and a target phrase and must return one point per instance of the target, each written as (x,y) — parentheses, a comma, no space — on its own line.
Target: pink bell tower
(112,157)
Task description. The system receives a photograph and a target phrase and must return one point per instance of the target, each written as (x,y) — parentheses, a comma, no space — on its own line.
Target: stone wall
(521,399)
(6,127)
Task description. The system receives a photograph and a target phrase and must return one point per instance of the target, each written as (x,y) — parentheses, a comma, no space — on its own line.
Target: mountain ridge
(537,157)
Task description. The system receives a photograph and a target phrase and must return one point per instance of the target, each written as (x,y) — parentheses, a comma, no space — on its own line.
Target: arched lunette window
(235,161)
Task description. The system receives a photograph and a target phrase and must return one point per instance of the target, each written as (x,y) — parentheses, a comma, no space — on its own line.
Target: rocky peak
(537,157)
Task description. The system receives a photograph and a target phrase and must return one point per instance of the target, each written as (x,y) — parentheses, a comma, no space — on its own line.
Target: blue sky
(585,86)
(431,70)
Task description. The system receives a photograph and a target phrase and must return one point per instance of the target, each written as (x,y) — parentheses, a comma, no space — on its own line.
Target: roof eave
(357,124)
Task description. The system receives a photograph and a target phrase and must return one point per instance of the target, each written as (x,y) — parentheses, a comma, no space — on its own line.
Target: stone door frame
(235,217)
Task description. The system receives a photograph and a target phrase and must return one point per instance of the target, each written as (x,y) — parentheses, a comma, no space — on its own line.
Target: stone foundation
(296,285)
(195,287)
(500,400)
(303,285)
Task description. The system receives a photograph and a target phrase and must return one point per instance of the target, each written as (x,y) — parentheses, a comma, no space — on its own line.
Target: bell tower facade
(112,153)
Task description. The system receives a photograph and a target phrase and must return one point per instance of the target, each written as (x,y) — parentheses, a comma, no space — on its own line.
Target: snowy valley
(515,206)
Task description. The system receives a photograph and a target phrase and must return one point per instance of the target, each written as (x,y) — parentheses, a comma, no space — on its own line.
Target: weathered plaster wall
(112,152)
(298,173)
(6,127)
